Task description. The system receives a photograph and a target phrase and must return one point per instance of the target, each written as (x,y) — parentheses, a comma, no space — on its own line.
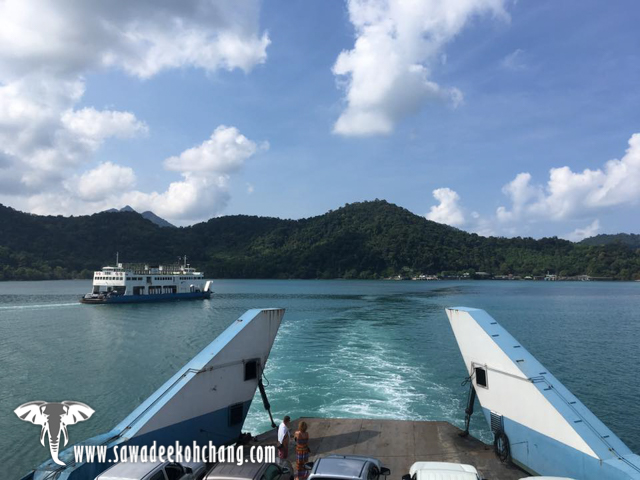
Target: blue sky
(464,111)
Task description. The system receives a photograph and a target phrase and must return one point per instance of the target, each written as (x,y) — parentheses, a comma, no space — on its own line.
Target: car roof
(128,471)
(443,471)
(342,466)
(233,470)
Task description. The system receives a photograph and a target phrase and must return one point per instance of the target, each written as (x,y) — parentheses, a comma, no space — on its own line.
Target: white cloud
(200,194)
(581,233)
(142,37)
(104,181)
(46,138)
(46,49)
(521,193)
(205,168)
(224,152)
(196,197)
(567,196)
(92,127)
(387,74)
(514,61)
(570,194)
(448,211)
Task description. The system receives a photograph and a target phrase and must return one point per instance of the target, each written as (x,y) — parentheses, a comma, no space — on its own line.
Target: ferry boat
(137,283)
(537,422)
(204,403)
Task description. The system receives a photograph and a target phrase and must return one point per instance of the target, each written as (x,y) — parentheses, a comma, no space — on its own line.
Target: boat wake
(44,305)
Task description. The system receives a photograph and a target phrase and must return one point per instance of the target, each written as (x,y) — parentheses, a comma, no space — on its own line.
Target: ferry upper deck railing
(153,269)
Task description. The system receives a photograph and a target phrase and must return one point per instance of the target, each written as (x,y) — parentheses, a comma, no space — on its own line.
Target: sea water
(374,349)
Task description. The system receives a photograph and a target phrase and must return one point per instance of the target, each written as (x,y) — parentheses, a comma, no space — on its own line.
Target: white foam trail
(46,305)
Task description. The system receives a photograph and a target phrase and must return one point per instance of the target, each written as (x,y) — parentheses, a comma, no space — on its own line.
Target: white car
(441,471)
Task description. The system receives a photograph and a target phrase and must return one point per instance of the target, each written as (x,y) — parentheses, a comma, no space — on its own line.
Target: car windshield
(271,472)
(332,478)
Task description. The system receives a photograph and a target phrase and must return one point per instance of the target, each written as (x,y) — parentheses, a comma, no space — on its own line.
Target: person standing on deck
(284,437)
(302,451)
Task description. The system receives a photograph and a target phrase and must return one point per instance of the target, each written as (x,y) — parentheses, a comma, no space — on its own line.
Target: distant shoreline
(361,280)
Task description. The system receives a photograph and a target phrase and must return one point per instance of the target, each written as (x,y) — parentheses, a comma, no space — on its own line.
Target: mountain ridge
(630,239)
(149,215)
(373,239)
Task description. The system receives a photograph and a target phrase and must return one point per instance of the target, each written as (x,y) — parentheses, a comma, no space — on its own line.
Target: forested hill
(630,239)
(361,240)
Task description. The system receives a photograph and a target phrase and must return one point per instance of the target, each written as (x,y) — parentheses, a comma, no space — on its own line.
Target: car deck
(398,444)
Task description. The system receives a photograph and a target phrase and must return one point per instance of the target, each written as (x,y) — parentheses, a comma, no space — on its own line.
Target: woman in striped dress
(302,451)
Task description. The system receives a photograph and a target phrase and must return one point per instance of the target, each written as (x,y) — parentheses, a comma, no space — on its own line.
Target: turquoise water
(345,349)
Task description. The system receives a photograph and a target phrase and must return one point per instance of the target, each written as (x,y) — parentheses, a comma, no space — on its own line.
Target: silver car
(346,467)
(251,471)
(154,471)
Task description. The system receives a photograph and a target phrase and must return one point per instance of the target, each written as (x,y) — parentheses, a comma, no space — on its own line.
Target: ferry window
(251,369)
(235,414)
(481,377)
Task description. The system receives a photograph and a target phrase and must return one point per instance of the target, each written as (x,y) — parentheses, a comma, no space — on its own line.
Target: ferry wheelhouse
(135,283)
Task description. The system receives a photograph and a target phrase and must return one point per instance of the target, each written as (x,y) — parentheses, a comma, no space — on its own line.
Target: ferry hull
(163,297)
(196,405)
(549,431)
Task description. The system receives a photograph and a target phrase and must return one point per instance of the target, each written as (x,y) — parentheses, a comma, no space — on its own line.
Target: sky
(510,118)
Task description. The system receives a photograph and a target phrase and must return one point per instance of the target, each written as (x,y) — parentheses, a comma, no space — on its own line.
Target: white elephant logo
(54,418)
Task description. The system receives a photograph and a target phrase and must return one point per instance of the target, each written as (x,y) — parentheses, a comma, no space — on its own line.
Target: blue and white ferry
(136,283)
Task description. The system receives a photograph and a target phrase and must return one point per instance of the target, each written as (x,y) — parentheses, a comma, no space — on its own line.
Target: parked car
(346,467)
(441,471)
(154,471)
(251,471)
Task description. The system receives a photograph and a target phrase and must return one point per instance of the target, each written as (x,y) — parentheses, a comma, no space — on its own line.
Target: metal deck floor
(398,444)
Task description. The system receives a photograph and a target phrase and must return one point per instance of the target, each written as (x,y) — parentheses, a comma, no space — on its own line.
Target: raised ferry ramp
(398,444)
